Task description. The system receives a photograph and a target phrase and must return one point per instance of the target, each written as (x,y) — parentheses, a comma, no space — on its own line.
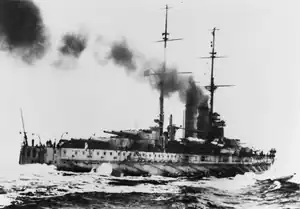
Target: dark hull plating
(170,169)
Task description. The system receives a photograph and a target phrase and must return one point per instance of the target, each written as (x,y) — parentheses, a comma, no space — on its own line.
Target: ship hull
(164,169)
(128,163)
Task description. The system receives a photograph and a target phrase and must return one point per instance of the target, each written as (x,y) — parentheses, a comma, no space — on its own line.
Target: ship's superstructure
(204,150)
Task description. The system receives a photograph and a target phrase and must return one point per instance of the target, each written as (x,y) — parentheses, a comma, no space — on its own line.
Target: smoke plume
(22,31)
(195,98)
(195,95)
(73,44)
(173,82)
(122,55)
(170,79)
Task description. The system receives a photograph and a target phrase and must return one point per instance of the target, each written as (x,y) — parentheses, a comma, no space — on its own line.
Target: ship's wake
(41,186)
(105,169)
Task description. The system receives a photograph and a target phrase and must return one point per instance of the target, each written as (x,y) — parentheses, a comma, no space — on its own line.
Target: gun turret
(125,134)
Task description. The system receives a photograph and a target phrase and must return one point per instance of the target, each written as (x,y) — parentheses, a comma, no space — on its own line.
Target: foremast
(161,96)
(165,39)
(162,73)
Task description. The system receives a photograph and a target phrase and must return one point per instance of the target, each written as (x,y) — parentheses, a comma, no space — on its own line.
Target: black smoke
(194,98)
(172,81)
(195,95)
(73,44)
(70,50)
(122,55)
(22,30)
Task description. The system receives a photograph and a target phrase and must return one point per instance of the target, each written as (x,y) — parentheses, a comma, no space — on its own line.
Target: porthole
(97,153)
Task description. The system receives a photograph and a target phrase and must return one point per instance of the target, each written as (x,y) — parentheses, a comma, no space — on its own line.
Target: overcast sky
(260,39)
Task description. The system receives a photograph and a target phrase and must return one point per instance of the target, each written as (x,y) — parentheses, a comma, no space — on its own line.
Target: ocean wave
(40,186)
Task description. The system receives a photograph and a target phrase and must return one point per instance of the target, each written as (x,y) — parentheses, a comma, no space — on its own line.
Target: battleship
(203,150)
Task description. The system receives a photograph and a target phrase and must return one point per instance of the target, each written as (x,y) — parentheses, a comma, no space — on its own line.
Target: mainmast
(212,87)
